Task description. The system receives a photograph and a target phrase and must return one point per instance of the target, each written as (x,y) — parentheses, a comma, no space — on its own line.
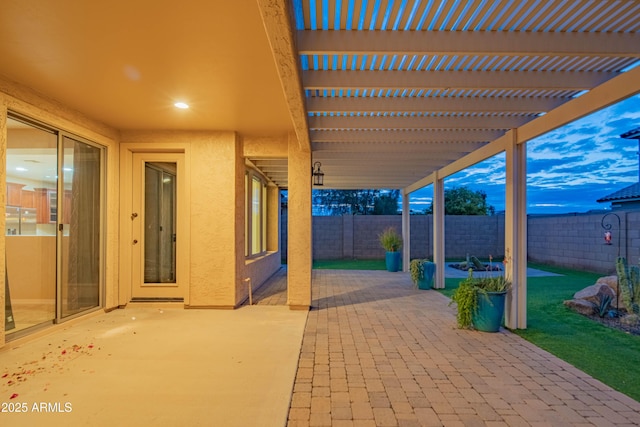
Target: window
(256,217)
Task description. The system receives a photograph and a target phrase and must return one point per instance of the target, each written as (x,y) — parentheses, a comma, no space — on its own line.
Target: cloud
(568,169)
(584,160)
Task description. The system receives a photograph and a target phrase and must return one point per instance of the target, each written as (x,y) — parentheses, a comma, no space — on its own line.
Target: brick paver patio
(377,352)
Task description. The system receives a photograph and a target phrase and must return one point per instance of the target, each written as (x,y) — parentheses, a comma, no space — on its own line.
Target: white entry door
(156,227)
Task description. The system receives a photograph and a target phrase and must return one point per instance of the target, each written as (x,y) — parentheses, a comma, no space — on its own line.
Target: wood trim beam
(625,85)
(490,43)
(401,135)
(278,27)
(445,80)
(429,104)
(418,122)
(371,148)
(426,161)
(470,159)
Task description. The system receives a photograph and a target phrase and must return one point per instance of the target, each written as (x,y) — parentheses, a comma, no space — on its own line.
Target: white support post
(515,233)
(438,231)
(406,231)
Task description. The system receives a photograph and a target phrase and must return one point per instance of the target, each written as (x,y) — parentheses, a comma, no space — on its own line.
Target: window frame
(255,220)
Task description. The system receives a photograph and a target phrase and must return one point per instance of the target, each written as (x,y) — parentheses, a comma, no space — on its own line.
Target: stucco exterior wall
(213,262)
(259,270)
(215,168)
(299,251)
(215,175)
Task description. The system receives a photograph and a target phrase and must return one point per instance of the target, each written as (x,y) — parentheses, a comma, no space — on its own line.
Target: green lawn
(350,264)
(611,356)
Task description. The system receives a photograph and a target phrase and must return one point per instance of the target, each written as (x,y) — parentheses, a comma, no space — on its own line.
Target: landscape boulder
(611,281)
(587,301)
(581,306)
(595,293)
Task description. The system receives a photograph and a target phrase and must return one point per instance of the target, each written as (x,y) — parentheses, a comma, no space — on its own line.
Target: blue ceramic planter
(490,312)
(425,283)
(393,260)
(428,271)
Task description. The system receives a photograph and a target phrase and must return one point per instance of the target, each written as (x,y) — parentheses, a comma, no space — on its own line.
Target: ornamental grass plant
(390,240)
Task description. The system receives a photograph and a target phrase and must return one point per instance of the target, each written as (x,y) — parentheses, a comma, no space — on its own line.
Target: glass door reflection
(30,241)
(159,223)
(80,240)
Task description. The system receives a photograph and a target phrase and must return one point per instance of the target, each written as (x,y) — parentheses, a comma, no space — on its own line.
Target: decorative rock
(611,281)
(630,319)
(594,293)
(581,306)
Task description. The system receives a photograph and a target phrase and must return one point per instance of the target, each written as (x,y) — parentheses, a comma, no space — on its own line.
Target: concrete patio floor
(373,351)
(156,366)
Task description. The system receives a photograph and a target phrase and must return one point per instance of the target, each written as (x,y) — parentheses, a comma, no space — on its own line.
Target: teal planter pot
(428,271)
(393,260)
(425,283)
(490,312)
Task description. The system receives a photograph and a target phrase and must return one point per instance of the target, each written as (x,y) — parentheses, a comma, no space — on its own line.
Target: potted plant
(391,241)
(422,271)
(481,302)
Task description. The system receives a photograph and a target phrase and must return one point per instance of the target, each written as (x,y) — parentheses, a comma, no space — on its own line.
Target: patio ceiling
(384,92)
(395,90)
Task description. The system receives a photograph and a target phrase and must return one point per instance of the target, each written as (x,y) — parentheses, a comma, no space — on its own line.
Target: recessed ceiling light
(181,105)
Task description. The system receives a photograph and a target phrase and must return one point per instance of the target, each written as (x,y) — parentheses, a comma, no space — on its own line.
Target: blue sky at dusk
(568,169)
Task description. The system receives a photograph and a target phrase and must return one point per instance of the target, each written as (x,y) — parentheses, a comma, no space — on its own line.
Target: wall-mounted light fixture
(318,175)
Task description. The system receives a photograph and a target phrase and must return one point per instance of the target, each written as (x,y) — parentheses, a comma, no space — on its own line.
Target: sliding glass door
(53,230)
(80,243)
(30,227)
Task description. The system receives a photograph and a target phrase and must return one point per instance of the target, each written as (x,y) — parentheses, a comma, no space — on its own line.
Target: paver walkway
(377,352)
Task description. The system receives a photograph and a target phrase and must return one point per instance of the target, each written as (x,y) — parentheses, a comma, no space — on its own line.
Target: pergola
(402,94)
(396,94)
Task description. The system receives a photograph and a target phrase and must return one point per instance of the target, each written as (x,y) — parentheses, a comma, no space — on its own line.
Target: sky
(568,169)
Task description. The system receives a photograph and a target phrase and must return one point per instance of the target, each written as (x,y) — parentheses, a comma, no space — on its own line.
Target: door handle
(135,241)
(134,216)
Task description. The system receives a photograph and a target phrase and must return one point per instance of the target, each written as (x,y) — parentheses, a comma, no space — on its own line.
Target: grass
(350,264)
(608,355)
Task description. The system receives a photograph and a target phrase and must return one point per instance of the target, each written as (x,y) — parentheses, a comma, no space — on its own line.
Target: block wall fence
(567,240)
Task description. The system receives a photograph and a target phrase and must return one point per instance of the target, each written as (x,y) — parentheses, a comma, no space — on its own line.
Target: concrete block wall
(328,237)
(568,240)
(421,236)
(356,236)
(632,250)
(366,229)
(479,236)
(577,240)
